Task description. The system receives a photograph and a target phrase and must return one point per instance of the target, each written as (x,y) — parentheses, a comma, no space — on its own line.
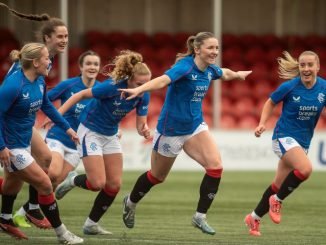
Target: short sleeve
(217,72)
(279,94)
(104,90)
(142,107)
(180,69)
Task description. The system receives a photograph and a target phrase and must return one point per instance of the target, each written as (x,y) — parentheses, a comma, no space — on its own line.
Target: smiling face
(308,68)
(57,41)
(207,52)
(90,67)
(41,64)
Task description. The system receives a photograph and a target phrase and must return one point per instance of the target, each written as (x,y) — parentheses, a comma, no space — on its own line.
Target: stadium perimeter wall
(240,150)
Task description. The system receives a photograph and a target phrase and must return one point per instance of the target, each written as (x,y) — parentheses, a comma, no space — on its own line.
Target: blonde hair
(194,42)
(27,54)
(288,67)
(48,27)
(126,65)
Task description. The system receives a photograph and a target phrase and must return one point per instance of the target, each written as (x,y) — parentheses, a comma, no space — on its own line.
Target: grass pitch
(164,215)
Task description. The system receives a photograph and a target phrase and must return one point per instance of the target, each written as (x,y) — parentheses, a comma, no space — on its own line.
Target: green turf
(164,216)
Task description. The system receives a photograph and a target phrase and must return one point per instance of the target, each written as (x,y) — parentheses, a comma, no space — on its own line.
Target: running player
(54,34)
(181,125)
(22,95)
(303,98)
(101,148)
(65,157)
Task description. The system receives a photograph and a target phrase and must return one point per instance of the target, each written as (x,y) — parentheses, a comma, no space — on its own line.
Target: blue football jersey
(63,91)
(14,67)
(20,100)
(104,113)
(301,109)
(182,110)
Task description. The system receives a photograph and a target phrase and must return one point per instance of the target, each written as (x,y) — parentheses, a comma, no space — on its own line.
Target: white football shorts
(94,144)
(68,154)
(282,145)
(21,159)
(171,146)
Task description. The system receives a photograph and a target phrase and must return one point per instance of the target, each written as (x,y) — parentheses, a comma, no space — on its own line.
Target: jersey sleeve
(179,69)
(217,72)
(51,112)
(9,91)
(57,92)
(142,107)
(104,90)
(280,93)
(14,67)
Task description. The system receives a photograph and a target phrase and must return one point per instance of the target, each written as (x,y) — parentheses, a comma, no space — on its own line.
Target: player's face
(308,68)
(42,64)
(138,80)
(208,51)
(90,67)
(58,40)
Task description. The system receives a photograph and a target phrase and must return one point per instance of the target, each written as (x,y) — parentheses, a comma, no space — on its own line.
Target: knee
(44,160)
(214,163)
(158,180)
(44,187)
(111,190)
(155,178)
(54,178)
(114,184)
(97,185)
(303,173)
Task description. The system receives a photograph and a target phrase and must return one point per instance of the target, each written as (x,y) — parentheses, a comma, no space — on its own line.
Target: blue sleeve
(2,142)
(56,92)
(142,107)
(217,72)
(279,94)
(14,67)
(51,112)
(104,90)
(9,91)
(180,69)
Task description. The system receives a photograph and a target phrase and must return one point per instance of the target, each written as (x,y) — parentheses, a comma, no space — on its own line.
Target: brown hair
(127,64)
(83,55)
(48,27)
(27,54)
(288,67)
(194,42)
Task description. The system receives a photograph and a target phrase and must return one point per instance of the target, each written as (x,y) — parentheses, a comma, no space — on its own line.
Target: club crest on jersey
(194,77)
(296,99)
(26,96)
(41,89)
(321,97)
(116,103)
(209,76)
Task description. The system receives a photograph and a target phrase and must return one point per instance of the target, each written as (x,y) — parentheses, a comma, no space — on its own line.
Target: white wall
(240,150)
